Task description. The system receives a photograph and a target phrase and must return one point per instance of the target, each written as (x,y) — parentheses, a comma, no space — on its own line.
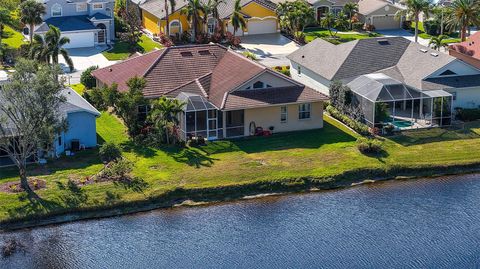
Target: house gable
(268,79)
(458,67)
(256,10)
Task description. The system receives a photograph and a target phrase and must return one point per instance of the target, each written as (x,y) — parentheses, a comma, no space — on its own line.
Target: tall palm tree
(214,11)
(193,10)
(172,8)
(437,42)
(462,14)
(236,19)
(350,9)
(328,22)
(49,48)
(31,13)
(164,114)
(413,10)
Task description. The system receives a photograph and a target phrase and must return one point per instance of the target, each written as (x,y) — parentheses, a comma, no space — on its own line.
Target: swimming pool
(400,123)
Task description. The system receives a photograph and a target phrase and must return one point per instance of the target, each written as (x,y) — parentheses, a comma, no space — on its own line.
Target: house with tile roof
(260,16)
(319,63)
(467,51)
(81,130)
(87,23)
(225,94)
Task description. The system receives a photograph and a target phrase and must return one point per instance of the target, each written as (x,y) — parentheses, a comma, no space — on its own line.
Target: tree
(133,27)
(328,22)
(462,14)
(294,17)
(31,13)
(167,19)
(30,117)
(413,9)
(437,42)
(5,19)
(48,48)
(164,115)
(193,10)
(350,9)
(87,79)
(236,19)
(215,13)
(341,21)
(126,104)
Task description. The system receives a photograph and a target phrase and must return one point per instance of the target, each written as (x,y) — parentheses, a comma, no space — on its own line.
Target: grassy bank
(121,50)
(227,169)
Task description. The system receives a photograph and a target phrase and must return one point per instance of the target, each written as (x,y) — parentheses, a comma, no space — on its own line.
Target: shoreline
(206,196)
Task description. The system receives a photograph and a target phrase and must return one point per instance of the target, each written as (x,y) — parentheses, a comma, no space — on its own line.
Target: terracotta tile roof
(121,72)
(471,47)
(271,96)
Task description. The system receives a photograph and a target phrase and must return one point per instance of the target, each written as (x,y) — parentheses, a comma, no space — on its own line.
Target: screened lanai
(384,100)
(200,118)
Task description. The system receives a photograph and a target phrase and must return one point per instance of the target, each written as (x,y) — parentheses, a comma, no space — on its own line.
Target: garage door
(256,27)
(386,22)
(80,40)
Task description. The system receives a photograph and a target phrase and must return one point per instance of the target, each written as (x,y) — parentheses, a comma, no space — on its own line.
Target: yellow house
(259,14)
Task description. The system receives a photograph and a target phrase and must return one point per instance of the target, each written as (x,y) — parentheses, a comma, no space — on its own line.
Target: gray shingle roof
(76,103)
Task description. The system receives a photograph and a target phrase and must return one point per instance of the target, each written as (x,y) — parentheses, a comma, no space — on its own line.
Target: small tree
(437,42)
(236,19)
(29,113)
(350,8)
(31,13)
(294,17)
(328,22)
(165,115)
(87,79)
(110,152)
(133,25)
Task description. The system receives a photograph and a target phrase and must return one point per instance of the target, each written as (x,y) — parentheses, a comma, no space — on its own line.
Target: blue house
(87,23)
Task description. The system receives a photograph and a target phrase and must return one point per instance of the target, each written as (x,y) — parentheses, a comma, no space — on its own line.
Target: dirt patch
(15,187)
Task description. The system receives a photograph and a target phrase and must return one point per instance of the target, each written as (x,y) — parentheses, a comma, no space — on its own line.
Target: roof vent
(204,52)
(186,54)
(383,42)
(110,69)
(434,54)
(424,50)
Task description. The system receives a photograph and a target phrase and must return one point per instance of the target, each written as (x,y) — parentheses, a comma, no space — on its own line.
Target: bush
(469,114)
(117,170)
(369,145)
(357,26)
(87,79)
(250,55)
(355,125)
(432,27)
(110,152)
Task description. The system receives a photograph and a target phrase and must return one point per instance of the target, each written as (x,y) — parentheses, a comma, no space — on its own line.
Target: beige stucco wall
(270,116)
(270,79)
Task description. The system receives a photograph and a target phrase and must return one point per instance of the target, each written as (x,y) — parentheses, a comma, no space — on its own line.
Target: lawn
(79,88)
(120,50)
(453,37)
(321,154)
(313,33)
(12,38)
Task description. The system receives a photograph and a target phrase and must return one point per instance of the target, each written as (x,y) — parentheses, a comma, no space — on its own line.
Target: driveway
(404,33)
(82,59)
(271,49)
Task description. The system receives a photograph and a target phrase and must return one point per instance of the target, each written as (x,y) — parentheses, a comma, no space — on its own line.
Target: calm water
(412,224)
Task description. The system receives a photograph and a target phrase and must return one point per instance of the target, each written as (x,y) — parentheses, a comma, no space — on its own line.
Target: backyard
(321,154)
(121,51)
(341,37)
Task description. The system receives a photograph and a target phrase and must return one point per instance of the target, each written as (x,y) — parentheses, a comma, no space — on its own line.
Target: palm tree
(413,9)
(328,22)
(437,42)
(462,14)
(236,19)
(193,10)
(350,8)
(164,114)
(214,11)
(47,49)
(31,13)
(172,8)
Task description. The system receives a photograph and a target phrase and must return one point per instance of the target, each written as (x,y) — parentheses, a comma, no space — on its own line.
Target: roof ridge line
(186,83)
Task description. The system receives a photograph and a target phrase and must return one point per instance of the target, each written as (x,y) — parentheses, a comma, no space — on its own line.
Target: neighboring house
(468,51)
(319,63)
(259,14)
(87,23)
(81,133)
(226,94)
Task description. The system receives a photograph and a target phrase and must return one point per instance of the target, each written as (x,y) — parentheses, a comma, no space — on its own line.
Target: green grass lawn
(12,38)
(453,37)
(79,88)
(120,50)
(313,33)
(320,153)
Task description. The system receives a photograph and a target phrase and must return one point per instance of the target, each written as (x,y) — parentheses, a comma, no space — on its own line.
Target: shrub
(250,55)
(110,152)
(233,41)
(469,114)
(407,25)
(369,145)
(117,170)
(369,27)
(432,27)
(355,125)
(357,26)
(87,79)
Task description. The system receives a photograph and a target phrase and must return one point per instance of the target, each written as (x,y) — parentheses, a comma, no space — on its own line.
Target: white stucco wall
(270,79)
(457,66)
(270,116)
(309,78)
(466,97)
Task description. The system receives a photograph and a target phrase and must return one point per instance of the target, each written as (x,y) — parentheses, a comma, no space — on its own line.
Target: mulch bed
(15,187)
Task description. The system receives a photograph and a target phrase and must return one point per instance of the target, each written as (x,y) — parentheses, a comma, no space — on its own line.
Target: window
(143,112)
(97,6)
(81,7)
(299,70)
(283,114)
(258,85)
(56,10)
(304,111)
(175,27)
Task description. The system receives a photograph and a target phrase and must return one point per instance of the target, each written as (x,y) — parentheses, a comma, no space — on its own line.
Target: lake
(426,223)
